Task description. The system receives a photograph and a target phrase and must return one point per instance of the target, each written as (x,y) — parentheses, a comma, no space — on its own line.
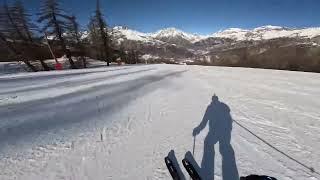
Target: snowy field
(120,122)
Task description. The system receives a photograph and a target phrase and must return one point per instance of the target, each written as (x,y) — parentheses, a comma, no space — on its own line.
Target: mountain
(173,33)
(123,33)
(267,32)
(237,34)
(168,35)
(266,46)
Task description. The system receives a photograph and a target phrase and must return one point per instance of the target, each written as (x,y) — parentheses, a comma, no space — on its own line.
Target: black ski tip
(172,166)
(257,177)
(190,169)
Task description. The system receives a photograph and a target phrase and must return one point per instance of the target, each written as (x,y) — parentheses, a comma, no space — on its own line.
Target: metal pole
(45,34)
(194,145)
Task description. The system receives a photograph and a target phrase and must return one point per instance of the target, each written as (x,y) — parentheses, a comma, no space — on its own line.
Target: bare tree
(76,38)
(14,51)
(22,21)
(24,26)
(94,39)
(122,53)
(14,29)
(55,24)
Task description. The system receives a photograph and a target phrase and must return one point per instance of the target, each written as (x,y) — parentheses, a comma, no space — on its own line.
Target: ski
(257,177)
(191,170)
(173,170)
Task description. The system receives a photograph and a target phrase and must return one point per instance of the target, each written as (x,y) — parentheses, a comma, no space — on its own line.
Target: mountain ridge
(238,34)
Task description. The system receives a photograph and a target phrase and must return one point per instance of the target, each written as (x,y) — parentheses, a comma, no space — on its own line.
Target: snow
(132,34)
(173,32)
(267,32)
(267,27)
(11,67)
(233,33)
(149,56)
(18,68)
(120,122)
(84,34)
(153,37)
(259,33)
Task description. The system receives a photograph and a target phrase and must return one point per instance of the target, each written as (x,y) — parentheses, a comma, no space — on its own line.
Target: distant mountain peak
(266,32)
(172,35)
(269,27)
(234,30)
(171,31)
(124,32)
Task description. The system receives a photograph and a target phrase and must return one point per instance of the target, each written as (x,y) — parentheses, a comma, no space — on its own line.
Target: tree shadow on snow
(220,121)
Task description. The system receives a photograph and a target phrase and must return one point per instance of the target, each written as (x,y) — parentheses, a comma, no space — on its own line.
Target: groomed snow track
(120,122)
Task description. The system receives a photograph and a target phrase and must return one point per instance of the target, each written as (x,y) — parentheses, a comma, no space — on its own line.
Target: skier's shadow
(220,121)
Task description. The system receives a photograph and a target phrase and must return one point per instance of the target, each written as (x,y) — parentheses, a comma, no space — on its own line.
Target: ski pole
(194,145)
(46,36)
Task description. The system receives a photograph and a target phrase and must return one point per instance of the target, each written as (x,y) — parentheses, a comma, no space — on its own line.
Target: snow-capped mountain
(173,43)
(266,46)
(125,33)
(231,33)
(172,35)
(266,32)
(168,35)
(175,33)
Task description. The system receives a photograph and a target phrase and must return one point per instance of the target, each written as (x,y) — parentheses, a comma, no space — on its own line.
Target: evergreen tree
(74,30)
(94,38)
(76,38)
(122,53)
(4,22)
(22,20)
(56,23)
(14,29)
(103,32)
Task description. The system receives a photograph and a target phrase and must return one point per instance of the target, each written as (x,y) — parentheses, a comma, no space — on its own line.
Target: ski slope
(120,122)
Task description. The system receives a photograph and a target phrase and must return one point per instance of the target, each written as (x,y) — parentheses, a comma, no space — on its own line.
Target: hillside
(264,47)
(120,122)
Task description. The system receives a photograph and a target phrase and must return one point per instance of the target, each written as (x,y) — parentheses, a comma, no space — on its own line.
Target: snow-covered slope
(120,122)
(232,33)
(267,32)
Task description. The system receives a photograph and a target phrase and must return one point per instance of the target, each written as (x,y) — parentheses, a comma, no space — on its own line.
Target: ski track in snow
(120,122)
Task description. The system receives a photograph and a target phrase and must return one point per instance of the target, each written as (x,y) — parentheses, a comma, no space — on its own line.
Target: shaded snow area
(12,67)
(15,67)
(120,123)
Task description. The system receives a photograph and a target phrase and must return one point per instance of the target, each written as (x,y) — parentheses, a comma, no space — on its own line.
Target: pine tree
(11,32)
(74,29)
(5,26)
(103,31)
(56,23)
(13,50)
(76,38)
(24,26)
(22,21)
(93,30)
(122,53)
(94,38)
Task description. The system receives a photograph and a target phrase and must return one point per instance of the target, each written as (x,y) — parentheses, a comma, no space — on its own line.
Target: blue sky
(196,16)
